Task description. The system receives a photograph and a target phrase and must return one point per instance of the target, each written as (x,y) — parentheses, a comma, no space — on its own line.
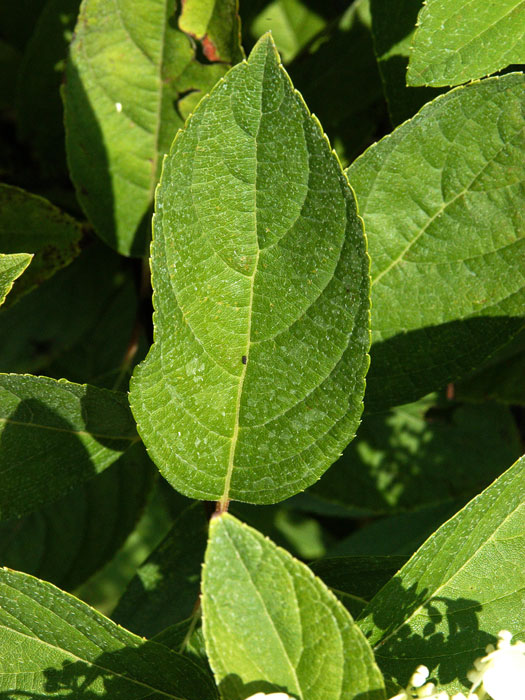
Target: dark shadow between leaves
(409,365)
(447,643)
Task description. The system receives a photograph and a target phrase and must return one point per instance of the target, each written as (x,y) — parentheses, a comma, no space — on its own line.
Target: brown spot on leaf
(209,49)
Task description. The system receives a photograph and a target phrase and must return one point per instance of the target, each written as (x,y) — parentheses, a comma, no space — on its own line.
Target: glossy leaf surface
(130,75)
(262,623)
(55,435)
(457,42)
(260,275)
(51,643)
(441,199)
(460,588)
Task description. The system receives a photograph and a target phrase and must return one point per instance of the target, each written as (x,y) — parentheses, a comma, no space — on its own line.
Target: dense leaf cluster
(229,261)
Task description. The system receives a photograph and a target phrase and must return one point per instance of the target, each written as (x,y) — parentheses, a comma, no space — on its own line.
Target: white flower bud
(270,696)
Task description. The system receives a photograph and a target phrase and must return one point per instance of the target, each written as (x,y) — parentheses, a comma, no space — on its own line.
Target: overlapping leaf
(31,224)
(442,199)
(464,585)
(69,540)
(457,42)
(260,275)
(262,624)
(128,81)
(55,435)
(52,644)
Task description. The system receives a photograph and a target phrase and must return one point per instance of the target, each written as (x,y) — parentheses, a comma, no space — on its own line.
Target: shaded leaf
(247,394)
(166,587)
(262,622)
(55,435)
(393,27)
(461,587)
(128,74)
(216,24)
(355,580)
(40,76)
(51,643)
(11,267)
(455,43)
(67,541)
(441,200)
(419,455)
(31,224)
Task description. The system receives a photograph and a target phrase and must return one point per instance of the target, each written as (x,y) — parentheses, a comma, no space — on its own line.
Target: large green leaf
(52,645)
(11,267)
(55,435)
(131,80)
(166,587)
(67,541)
(442,199)
(260,274)
(457,42)
(393,26)
(419,455)
(463,585)
(263,622)
(31,224)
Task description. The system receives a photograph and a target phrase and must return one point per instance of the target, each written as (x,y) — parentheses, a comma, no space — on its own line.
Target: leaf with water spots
(260,274)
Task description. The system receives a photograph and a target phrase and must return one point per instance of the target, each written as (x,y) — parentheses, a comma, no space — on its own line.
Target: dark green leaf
(463,586)
(31,224)
(51,643)
(441,198)
(260,277)
(56,435)
(262,624)
(67,541)
(166,587)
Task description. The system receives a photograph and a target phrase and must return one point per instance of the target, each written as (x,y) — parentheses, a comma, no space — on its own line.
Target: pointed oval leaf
(457,42)
(442,201)
(54,435)
(51,643)
(11,267)
(270,624)
(260,274)
(129,73)
(465,584)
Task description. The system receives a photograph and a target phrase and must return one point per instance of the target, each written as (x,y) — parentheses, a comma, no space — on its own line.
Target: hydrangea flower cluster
(500,675)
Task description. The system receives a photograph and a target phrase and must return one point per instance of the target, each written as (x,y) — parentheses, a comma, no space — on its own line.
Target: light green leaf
(262,624)
(128,76)
(260,276)
(69,540)
(55,435)
(31,224)
(464,585)
(457,42)
(442,198)
(51,643)
(166,587)
(393,26)
(216,24)
(421,454)
(11,267)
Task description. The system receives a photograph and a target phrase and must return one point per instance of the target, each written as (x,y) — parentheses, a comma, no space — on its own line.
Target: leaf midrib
(131,439)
